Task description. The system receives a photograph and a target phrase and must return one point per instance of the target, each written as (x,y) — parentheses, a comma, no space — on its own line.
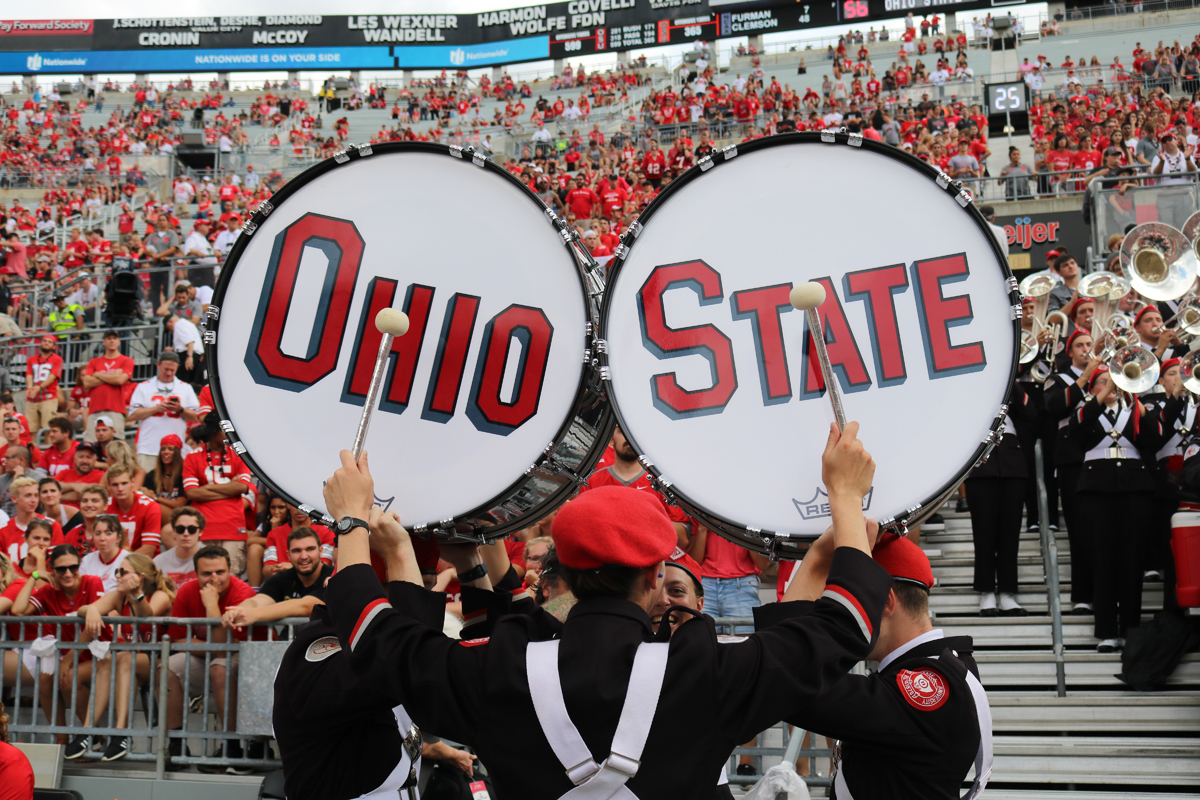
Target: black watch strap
(347,524)
(473,574)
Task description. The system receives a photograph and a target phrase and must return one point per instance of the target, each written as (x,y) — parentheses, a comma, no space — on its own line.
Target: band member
(1116,501)
(613,700)
(1179,426)
(1065,393)
(995,494)
(339,736)
(925,693)
(1034,424)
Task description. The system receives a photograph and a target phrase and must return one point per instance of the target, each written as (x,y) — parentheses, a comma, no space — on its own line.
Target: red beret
(1100,370)
(903,560)
(680,559)
(1073,309)
(1138,317)
(1170,362)
(1075,334)
(613,525)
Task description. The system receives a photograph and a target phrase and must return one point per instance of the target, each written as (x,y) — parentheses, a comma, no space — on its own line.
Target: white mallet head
(392,320)
(807,295)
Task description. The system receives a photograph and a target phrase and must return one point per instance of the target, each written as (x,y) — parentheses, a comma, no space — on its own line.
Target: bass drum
(712,374)
(489,414)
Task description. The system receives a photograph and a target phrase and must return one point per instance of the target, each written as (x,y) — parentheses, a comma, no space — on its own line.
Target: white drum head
(497,334)
(708,360)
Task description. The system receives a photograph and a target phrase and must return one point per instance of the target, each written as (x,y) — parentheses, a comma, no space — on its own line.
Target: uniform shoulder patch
(1191,451)
(322,649)
(923,689)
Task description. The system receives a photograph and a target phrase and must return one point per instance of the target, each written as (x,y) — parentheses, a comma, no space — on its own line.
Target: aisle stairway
(1099,740)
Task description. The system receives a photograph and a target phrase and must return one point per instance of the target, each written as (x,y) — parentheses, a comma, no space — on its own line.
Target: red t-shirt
(15,628)
(38,368)
(277,547)
(71,476)
(142,522)
(206,401)
(52,602)
(581,201)
(189,604)
(223,517)
(12,540)
(17,772)
(606,477)
(55,462)
(724,559)
(106,396)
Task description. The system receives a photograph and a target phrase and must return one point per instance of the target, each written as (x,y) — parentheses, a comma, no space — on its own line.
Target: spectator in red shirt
(25,503)
(141,517)
(16,255)
(77,250)
(85,473)
(214,481)
(67,592)
(14,764)
(282,522)
(142,590)
(11,428)
(580,199)
(213,591)
(42,373)
(105,377)
(60,455)
(654,164)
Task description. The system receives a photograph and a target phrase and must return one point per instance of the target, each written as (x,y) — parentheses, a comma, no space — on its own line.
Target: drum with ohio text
(489,409)
(711,371)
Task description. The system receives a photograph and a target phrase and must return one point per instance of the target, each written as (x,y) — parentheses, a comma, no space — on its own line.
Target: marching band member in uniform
(1034,424)
(1179,424)
(995,493)
(1116,502)
(341,737)
(605,700)
(1066,392)
(915,726)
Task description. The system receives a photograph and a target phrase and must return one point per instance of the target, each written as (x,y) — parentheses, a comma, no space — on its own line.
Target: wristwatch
(473,574)
(347,524)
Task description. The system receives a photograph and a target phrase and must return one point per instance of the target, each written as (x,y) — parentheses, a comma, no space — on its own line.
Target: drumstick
(807,297)
(391,322)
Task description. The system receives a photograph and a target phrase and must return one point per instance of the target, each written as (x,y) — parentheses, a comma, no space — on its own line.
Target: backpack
(1153,651)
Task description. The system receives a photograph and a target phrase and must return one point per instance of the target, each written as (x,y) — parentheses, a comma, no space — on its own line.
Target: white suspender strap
(984,758)
(606,780)
(541,666)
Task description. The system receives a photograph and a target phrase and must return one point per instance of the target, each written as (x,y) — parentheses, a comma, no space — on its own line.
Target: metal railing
(1115,9)
(140,709)
(142,343)
(1050,565)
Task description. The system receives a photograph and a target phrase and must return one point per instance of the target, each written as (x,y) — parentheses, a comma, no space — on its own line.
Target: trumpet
(1038,286)
(1057,322)
(1160,261)
(1186,320)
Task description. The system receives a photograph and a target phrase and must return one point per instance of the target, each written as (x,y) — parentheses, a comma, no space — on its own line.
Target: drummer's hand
(388,536)
(847,469)
(350,492)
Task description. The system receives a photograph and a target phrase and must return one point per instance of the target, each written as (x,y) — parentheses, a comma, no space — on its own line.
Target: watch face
(343,524)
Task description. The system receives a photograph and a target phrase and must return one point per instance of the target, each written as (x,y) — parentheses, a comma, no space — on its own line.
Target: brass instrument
(1038,287)
(1160,261)
(1105,289)
(1058,323)
(1187,368)
(1134,369)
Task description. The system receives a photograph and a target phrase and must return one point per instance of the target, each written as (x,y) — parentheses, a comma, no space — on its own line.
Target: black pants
(198,374)
(1116,522)
(1077,534)
(1027,434)
(996,527)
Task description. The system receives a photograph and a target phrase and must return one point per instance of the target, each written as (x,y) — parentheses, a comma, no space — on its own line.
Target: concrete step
(1096,760)
(1008,632)
(999,670)
(950,549)
(962,573)
(1096,712)
(964,601)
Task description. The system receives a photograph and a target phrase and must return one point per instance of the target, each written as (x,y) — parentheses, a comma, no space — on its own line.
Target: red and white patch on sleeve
(924,689)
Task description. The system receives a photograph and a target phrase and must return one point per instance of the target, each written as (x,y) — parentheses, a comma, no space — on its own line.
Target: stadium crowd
(136,504)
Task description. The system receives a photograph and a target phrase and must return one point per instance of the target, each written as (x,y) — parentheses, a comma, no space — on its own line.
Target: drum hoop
(784,544)
(466,526)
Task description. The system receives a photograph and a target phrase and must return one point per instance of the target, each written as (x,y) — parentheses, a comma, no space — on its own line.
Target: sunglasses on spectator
(122,572)
(187,528)
(66,569)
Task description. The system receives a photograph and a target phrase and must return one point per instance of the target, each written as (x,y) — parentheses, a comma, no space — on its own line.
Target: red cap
(1075,334)
(1137,318)
(903,560)
(1073,309)
(613,525)
(680,559)
(171,440)
(1170,362)
(51,337)
(1052,253)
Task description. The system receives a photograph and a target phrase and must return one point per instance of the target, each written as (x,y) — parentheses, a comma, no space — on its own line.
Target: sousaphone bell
(1159,260)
